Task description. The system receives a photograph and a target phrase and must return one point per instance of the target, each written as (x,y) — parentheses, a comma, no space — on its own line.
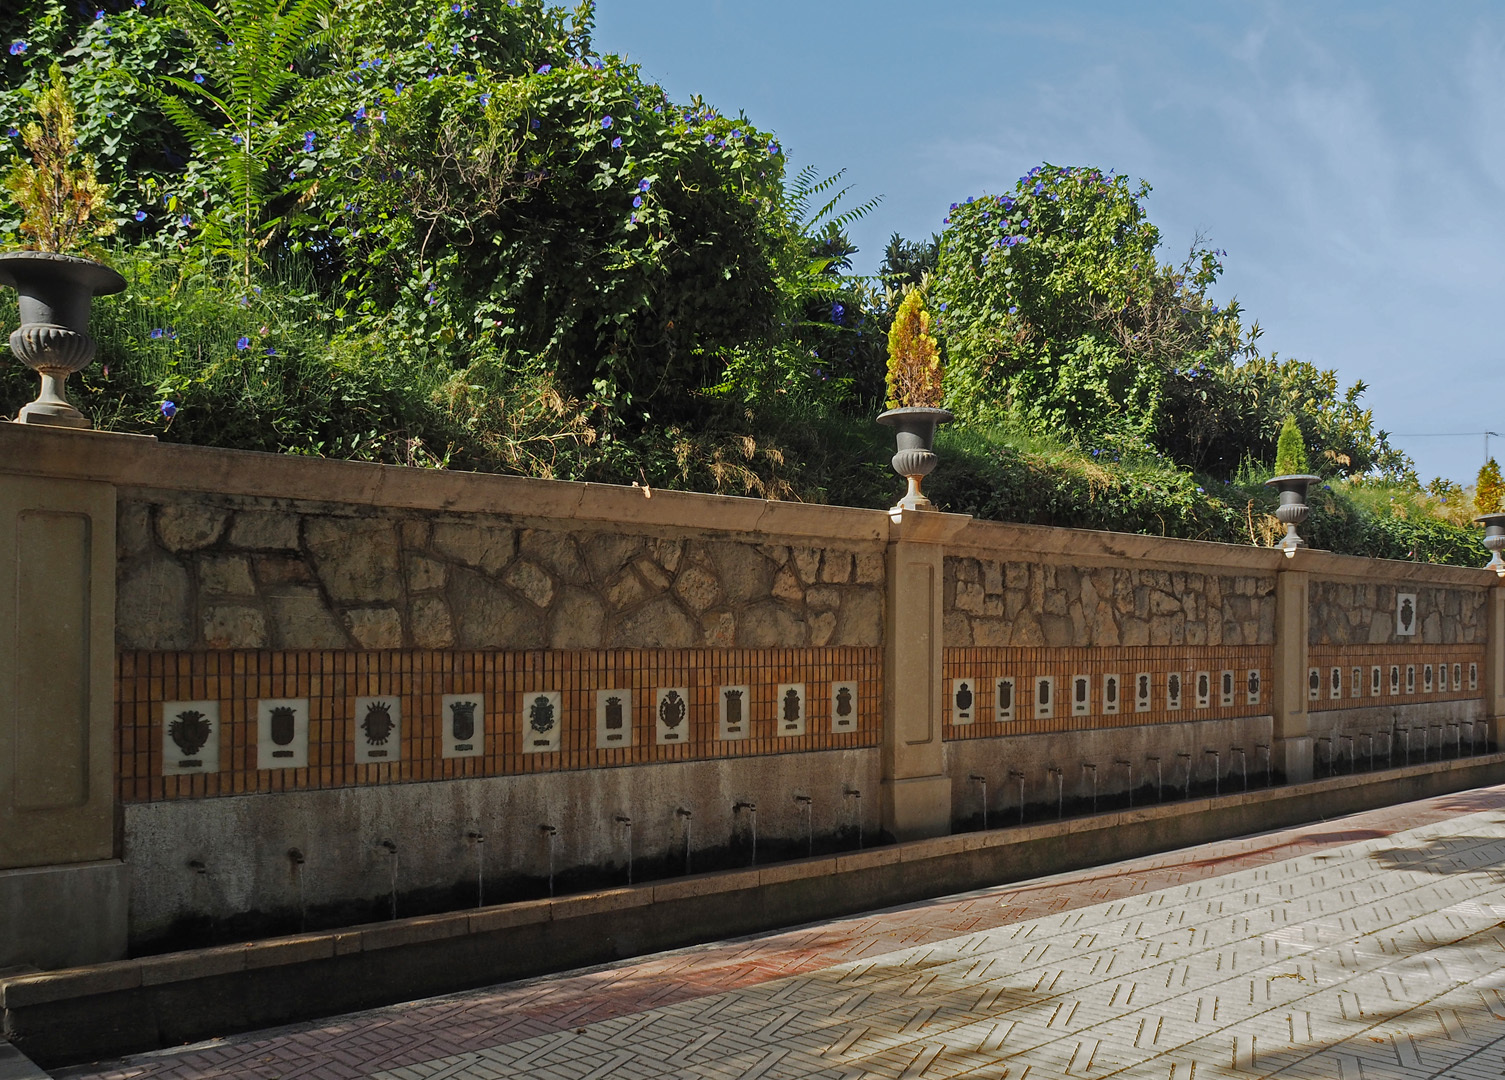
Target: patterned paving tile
(1373,946)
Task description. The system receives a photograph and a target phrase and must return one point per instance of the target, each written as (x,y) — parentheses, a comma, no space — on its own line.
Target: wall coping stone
(39,988)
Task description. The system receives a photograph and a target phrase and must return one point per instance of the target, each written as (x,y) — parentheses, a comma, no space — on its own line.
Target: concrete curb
(105,1010)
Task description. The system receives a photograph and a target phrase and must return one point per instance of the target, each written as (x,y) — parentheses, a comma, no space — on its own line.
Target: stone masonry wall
(992,603)
(1359,613)
(225,572)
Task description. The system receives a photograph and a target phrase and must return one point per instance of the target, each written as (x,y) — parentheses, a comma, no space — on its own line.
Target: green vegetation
(1489,489)
(1290,450)
(458,235)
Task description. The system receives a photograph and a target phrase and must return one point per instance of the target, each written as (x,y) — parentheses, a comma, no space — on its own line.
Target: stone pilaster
(1494,662)
(916,789)
(58,871)
(1291,750)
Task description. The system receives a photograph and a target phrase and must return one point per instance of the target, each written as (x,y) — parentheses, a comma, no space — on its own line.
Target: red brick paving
(358,1044)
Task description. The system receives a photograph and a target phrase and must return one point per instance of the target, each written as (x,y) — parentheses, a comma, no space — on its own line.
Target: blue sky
(1350,157)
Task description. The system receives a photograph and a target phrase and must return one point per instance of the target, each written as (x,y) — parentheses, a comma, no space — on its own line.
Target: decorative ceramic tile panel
(426,737)
(1399,672)
(1030,690)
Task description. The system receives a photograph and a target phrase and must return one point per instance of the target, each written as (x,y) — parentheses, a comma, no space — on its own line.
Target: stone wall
(1363,613)
(226,572)
(1042,604)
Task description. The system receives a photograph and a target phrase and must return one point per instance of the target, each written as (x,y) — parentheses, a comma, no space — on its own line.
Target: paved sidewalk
(1369,947)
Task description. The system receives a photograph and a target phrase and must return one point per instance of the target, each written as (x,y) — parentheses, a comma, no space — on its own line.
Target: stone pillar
(1494,662)
(916,789)
(62,889)
(1291,748)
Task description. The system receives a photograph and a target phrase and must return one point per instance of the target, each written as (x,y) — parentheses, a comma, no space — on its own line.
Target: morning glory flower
(544,69)
(17,48)
(486,99)
(837,311)
(157,333)
(242,343)
(606,121)
(943,307)
(140,215)
(12,133)
(186,221)
(773,149)
(169,409)
(271,350)
(637,201)
(236,140)
(616,144)
(533,124)
(308,142)
(98,15)
(360,114)
(644,185)
(1013,311)
(736,133)
(197,77)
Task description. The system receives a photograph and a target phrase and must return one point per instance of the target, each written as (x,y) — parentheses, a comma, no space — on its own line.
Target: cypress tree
(1489,490)
(1290,450)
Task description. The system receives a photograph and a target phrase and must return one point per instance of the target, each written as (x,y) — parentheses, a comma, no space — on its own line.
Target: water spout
(856,796)
(1020,774)
(806,805)
(626,823)
(685,816)
(549,832)
(1217,770)
(1129,772)
(477,838)
(1329,740)
(1159,778)
(752,814)
(1090,765)
(1349,740)
(1269,763)
(1243,763)
(1187,755)
(295,856)
(391,849)
(983,780)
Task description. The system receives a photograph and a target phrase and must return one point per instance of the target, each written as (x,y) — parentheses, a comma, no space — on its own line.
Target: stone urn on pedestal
(1293,509)
(1494,540)
(914,397)
(56,294)
(914,432)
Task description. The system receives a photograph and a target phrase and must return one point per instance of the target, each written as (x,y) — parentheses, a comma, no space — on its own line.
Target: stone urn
(53,340)
(1494,540)
(1293,509)
(914,432)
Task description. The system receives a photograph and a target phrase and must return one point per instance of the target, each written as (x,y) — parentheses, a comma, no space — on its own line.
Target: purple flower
(1013,311)
(616,144)
(637,201)
(17,48)
(606,121)
(236,140)
(360,114)
(242,343)
(736,133)
(157,333)
(533,124)
(197,77)
(186,221)
(486,99)
(773,149)
(943,307)
(140,215)
(271,350)
(11,133)
(837,312)
(308,142)
(644,185)
(168,409)
(98,15)
(544,69)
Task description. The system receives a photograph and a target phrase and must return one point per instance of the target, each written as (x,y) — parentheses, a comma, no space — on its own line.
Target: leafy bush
(1290,450)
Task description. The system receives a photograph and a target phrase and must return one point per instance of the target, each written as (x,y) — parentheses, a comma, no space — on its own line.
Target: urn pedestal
(914,433)
(1293,509)
(53,340)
